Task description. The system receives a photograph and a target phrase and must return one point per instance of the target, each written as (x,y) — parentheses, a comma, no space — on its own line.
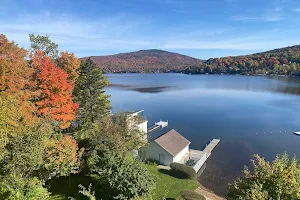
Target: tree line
(55,121)
(284,61)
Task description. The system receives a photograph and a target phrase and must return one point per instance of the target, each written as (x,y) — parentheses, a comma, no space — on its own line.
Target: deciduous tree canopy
(279,179)
(14,69)
(55,98)
(63,157)
(43,44)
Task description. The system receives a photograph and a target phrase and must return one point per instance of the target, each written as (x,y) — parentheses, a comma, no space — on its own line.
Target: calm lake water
(250,114)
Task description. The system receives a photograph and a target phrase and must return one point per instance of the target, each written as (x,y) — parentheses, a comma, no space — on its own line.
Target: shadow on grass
(68,187)
(165,171)
(168,172)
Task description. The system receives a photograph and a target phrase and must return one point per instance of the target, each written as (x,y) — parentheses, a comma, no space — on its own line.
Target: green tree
(21,163)
(114,132)
(20,188)
(26,150)
(124,174)
(62,157)
(90,94)
(44,44)
(279,179)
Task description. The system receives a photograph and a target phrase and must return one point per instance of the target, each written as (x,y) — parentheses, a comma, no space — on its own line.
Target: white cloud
(297,9)
(258,43)
(87,37)
(75,34)
(273,18)
(268,15)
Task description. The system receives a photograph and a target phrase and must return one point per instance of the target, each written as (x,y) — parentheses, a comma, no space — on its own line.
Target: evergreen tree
(90,94)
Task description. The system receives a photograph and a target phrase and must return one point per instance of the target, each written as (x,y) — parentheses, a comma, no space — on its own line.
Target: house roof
(172,142)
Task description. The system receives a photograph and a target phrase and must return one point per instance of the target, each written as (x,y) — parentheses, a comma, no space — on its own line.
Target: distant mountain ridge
(147,61)
(281,61)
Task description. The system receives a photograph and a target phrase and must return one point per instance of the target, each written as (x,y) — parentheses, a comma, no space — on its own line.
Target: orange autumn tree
(14,70)
(15,74)
(69,63)
(63,157)
(55,90)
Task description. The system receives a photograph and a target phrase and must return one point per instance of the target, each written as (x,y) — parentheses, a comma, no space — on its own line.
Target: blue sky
(198,28)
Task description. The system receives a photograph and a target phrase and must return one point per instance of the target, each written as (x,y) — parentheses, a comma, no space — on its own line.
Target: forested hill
(149,61)
(284,61)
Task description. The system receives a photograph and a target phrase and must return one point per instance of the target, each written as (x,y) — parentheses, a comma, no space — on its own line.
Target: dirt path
(209,195)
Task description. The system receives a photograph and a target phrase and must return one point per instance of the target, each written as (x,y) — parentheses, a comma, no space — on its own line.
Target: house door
(161,159)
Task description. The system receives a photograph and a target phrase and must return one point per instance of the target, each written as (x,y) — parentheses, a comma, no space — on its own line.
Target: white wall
(143,126)
(152,152)
(184,153)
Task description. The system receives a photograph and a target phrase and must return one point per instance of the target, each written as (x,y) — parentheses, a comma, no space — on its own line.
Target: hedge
(191,195)
(150,161)
(183,171)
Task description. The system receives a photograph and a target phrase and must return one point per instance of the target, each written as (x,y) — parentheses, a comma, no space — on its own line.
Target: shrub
(128,178)
(278,179)
(183,171)
(152,162)
(191,195)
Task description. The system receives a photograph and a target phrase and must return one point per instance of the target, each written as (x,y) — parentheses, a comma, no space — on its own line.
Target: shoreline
(208,194)
(270,75)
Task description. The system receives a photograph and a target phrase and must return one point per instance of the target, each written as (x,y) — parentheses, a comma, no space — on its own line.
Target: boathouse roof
(172,141)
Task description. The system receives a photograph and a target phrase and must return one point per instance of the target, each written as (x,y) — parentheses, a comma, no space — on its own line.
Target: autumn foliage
(144,61)
(63,156)
(283,61)
(14,81)
(70,64)
(14,70)
(55,98)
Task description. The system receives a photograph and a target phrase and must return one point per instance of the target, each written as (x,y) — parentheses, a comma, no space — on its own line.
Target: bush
(152,162)
(183,171)
(191,195)
(128,178)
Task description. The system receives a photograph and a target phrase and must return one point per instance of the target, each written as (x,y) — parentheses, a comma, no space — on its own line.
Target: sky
(198,28)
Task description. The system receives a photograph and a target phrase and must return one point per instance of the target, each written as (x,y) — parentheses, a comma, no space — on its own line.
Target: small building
(167,148)
(136,118)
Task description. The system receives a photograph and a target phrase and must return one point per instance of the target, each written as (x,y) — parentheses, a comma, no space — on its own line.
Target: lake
(250,114)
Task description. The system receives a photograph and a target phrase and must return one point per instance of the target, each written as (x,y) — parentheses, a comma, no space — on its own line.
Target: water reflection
(157,83)
(157,89)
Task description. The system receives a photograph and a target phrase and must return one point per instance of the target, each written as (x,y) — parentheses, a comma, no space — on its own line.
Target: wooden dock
(210,147)
(198,158)
(157,125)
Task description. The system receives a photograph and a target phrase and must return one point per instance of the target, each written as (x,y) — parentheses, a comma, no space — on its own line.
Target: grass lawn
(166,186)
(169,186)
(62,188)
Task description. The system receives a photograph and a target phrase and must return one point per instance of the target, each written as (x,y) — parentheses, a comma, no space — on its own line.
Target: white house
(166,149)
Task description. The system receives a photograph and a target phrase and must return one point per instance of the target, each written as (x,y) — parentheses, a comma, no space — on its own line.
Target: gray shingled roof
(172,142)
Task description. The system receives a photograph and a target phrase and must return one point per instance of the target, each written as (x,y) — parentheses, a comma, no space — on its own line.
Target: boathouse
(167,148)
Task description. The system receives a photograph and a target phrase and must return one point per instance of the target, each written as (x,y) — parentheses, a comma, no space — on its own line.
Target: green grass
(62,188)
(169,186)
(166,186)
